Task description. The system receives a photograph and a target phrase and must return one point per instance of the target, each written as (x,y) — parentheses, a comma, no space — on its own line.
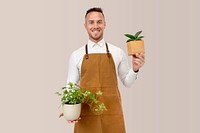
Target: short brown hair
(94,9)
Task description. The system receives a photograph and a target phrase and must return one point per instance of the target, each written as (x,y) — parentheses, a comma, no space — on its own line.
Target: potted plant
(135,44)
(72,96)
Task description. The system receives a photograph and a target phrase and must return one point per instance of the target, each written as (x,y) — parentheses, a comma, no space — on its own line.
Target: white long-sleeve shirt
(123,71)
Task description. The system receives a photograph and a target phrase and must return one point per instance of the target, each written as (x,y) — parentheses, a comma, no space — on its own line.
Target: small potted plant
(135,44)
(72,96)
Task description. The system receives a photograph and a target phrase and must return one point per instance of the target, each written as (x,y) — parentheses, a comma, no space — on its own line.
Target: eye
(99,22)
(91,22)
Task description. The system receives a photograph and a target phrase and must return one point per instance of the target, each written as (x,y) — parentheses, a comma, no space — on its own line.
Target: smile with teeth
(96,31)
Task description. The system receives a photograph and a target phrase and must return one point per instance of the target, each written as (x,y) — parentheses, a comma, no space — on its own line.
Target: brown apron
(98,73)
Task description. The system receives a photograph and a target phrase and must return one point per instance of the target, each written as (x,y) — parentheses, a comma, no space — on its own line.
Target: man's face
(95,25)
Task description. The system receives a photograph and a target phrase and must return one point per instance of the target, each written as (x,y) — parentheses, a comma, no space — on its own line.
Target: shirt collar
(93,44)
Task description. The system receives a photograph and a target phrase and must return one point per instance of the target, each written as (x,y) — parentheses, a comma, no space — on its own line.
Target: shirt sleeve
(73,72)
(125,72)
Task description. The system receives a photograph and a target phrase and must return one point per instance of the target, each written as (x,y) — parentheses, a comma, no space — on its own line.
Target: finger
(140,61)
(74,121)
(137,63)
(139,58)
(141,55)
(69,122)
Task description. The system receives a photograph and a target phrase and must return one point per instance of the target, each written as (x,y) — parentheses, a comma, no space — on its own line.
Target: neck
(95,41)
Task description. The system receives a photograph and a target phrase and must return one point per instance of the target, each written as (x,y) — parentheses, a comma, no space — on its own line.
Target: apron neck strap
(107,50)
(86,50)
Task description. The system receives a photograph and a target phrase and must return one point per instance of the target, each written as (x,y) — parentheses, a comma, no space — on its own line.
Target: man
(96,66)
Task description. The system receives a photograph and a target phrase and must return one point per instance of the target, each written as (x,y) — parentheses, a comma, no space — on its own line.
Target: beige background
(37,38)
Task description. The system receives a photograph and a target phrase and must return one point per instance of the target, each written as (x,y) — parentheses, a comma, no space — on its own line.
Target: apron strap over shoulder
(86,50)
(107,50)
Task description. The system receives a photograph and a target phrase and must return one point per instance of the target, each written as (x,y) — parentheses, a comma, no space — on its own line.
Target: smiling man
(97,66)
(95,24)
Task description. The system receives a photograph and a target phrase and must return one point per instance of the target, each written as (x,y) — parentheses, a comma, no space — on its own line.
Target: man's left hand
(138,61)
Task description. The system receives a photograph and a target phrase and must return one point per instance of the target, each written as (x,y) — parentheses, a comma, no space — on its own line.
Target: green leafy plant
(73,94)
(135,37)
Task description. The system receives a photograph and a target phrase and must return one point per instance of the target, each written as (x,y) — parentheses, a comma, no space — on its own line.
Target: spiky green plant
(135,37)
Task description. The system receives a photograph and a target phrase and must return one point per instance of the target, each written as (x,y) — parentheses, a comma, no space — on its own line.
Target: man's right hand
(74,121)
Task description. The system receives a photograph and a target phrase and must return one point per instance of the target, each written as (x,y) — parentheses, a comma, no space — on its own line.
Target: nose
(96,25)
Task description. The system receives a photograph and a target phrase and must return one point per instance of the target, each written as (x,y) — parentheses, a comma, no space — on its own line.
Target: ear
(85,25)
(104,24)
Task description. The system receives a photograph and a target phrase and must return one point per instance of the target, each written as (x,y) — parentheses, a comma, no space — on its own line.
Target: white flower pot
(72,112)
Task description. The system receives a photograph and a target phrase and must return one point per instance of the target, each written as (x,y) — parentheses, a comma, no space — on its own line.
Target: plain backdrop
(38,36)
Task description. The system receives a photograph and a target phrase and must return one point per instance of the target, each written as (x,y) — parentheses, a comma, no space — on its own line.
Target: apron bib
(98,74)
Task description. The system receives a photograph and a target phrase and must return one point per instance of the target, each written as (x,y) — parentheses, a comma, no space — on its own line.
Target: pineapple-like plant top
(135,37)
